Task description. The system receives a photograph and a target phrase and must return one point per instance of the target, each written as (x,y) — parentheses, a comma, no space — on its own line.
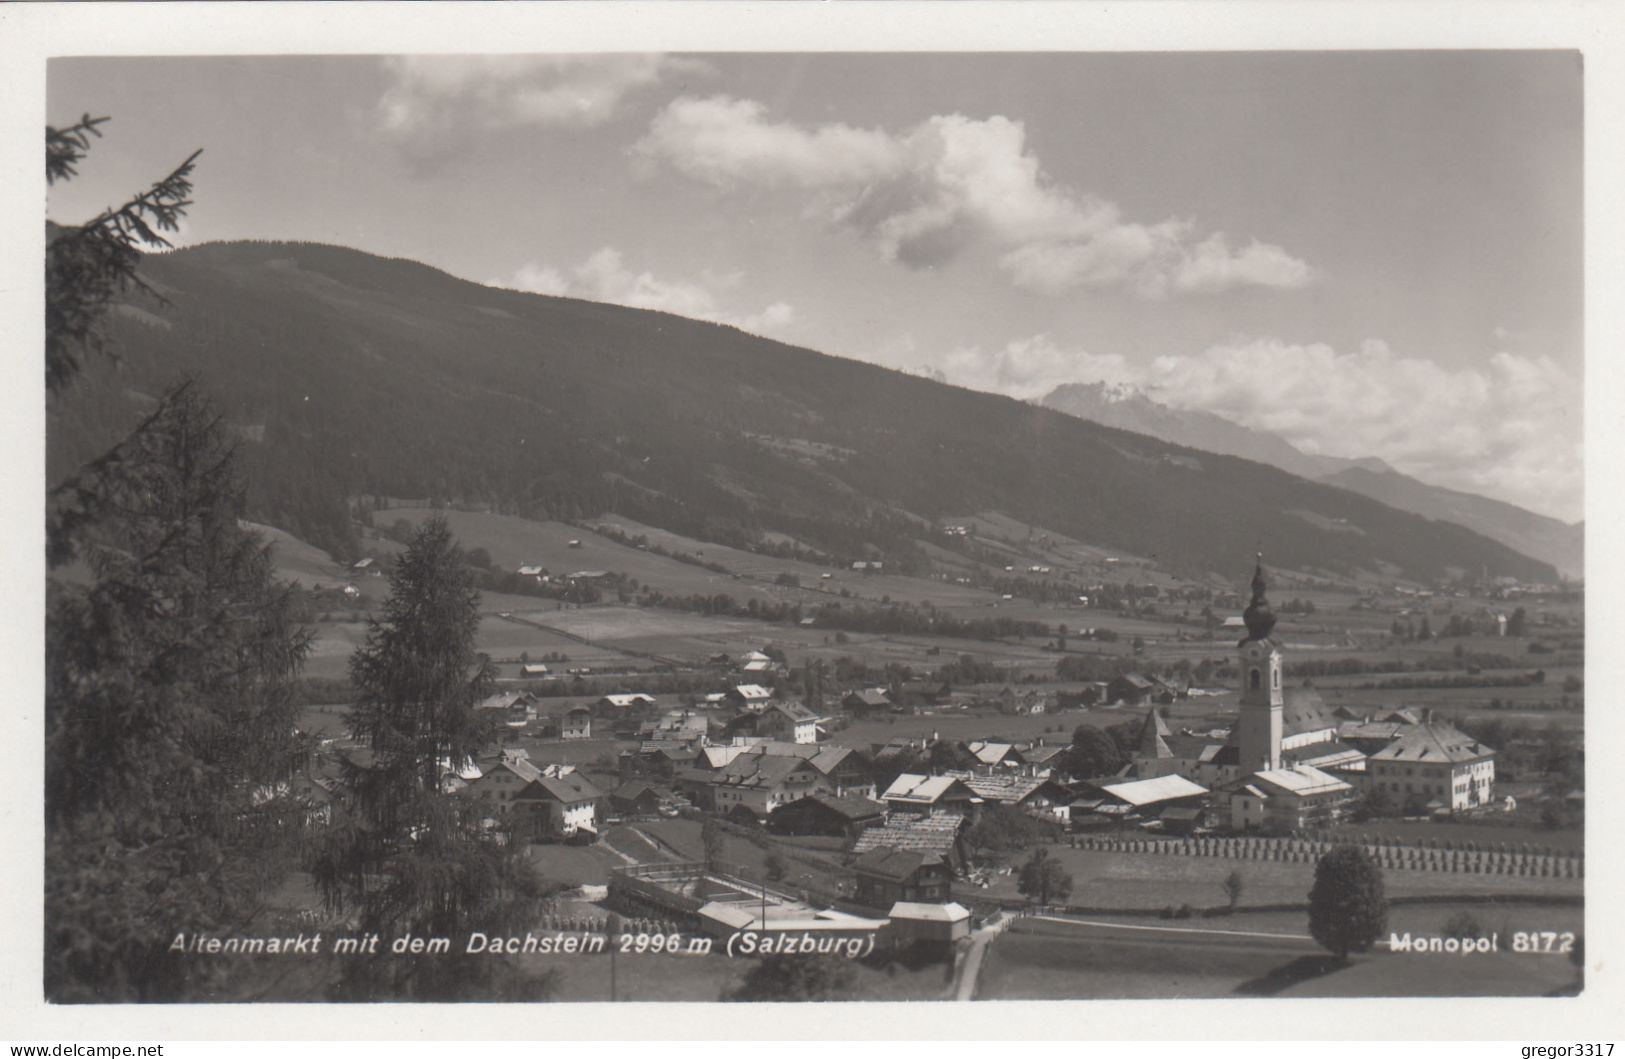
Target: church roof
(1154,736)
(1303,710)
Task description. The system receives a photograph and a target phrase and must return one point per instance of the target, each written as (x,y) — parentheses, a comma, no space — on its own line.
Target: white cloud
(1031,367)
(951,183)
(1507,427)
(604,277)
(432,99)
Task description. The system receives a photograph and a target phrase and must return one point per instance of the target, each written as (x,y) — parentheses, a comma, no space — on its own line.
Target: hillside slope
(350,374)
(1538,536)
(1560,543)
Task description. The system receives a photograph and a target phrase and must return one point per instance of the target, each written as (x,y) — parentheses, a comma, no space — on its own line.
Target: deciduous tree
(1348,909)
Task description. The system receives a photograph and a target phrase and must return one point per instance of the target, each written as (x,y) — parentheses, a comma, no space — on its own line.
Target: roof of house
(920,911)
(915,789)
(1158,789)
(756,656)
(1300,780)
(1039,755)
(752,692)
(633,789)
(718,756)
(1006,789)
(933,832)
(634,699)
(570,788)
(757,770)
(1303,710)
(870,696)
(1432,744)
(1138,680)
(991,753)
(795,711)
(847,808)
(828,759)
(1330,752)
(504,700)
(763,666)
(894,864)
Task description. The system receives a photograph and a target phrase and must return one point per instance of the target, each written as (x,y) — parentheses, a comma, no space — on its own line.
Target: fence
(1450,855)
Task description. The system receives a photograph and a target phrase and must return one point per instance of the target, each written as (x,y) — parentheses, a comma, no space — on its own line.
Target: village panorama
(413,638)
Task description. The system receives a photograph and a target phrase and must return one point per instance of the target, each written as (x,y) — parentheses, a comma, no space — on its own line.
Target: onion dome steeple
(1260,620)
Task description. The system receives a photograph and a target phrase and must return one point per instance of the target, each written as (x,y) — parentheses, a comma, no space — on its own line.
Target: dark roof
(1303,710)
(849,809)
(633,789)
(572,788)
(894,864)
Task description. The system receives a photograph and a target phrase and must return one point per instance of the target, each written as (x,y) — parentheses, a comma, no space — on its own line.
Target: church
(1285,764)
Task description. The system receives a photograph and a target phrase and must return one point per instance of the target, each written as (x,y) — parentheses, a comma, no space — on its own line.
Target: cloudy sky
(1370,254)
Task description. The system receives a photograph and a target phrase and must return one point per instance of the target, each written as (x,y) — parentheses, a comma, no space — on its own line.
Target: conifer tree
(170,653)
(87,266)
(406,857)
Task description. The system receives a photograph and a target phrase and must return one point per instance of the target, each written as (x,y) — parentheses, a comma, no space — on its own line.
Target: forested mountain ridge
(1551,540)
(349,374)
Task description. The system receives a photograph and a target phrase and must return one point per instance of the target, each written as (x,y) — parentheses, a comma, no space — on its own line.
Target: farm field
(1042,960)
(969,726)
(1149,880)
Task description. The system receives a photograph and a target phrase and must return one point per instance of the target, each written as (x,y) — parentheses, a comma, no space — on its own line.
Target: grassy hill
(352,375)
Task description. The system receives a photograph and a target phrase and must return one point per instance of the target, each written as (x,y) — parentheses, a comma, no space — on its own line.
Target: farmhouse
(515,708)
(886,876)
(748,696)
(824,814)
(1288,799)
(866,701)
(560,806)
(939,834)
(1024,792)
(533,669)
(760,783)
(996,755)
(619,703)
(576,723)
(787,721)
(636,798)
(919,794)
(1132,689)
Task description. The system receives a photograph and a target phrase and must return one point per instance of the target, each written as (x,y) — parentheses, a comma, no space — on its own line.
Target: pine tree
(404,857)
(170,653)
(1348,910)
(87,266)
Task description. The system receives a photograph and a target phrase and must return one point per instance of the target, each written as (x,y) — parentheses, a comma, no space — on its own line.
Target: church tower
(1259,741)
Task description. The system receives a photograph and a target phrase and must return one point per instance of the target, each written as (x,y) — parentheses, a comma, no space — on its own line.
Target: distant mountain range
(350,375)
(1124,407)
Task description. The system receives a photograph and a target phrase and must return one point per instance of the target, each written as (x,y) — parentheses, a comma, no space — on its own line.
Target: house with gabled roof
(866,701)
(1288,799)
(996,755)
(1434,763)
(912,792)
(560,807)
(826,814)
(884,877)
(760,783)
(749,696)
